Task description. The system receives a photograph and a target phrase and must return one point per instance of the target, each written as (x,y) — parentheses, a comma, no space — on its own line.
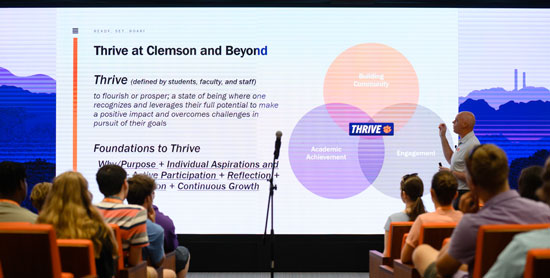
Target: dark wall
(293,253)
(277,3)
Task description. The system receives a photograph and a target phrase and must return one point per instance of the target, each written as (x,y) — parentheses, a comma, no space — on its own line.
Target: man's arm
(406,253)
(386,243)
(445,264)
(447,151)
(459,175)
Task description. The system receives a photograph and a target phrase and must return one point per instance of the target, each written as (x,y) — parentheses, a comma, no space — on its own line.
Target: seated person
(171,242)
(444,190)
(13,190)
(141,191)
(511,262)
(412,189)
(487,177)
(69,210)
(39,193)
(530,179)
(130,218)
(543,193)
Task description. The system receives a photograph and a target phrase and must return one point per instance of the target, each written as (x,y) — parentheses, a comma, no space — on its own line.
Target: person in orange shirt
(444,191)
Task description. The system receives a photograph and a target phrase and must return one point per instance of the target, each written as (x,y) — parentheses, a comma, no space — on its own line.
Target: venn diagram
(366,83)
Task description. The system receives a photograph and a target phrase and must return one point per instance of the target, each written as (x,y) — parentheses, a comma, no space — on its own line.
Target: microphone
(278,134)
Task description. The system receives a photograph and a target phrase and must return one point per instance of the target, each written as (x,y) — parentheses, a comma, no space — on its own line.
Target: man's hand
(444,169)
(469,203)
(442,130)
(151,213)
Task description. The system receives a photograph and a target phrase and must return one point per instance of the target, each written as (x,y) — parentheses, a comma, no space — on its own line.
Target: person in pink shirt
(444,191)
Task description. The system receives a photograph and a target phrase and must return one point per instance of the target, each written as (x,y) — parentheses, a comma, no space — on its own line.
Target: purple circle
(414,148)
(324,158)
(371,156)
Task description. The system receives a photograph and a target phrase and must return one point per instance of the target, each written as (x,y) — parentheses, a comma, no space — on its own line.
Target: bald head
(468,119)
(464,123)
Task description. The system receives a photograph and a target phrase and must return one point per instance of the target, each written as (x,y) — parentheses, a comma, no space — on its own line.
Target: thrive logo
(370,129)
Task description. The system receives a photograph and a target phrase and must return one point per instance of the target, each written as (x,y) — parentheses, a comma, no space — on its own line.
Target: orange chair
(492,239)
(537,264)
(77,257)
(377,260)
(30,250)
(432,234)
(137,271)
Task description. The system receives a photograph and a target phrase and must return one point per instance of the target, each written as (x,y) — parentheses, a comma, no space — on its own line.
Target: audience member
(412,189)
(530,179)
(140,192)
(183,256)
(543,193)
(511,262)
(487,176)
(130,218)
(13,190)
(69,210)
(443,191)
(463,125)
(39,193)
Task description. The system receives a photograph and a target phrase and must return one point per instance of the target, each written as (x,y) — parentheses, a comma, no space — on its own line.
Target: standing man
(463,125)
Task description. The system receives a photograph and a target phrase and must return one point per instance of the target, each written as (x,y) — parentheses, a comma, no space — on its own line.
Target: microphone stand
(272,188)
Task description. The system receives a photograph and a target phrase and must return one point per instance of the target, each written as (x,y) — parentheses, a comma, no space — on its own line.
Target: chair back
(446,241)
(77,256)
(397,230)
(118,238)
(538,263)
(170,261)
(29,250)
(492,239)
(433,234)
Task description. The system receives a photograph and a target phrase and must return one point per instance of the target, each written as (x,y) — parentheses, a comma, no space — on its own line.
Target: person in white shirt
(463,125)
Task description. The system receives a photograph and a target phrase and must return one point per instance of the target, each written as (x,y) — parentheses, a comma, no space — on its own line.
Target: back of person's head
(530,179)
(444,185)
(110,179)
(69,209)
(413,187)
(487,167)
(11,176)
(544,191)
(39,193)
(139,188)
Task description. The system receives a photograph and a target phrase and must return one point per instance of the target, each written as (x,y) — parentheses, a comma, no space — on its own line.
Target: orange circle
(371,77)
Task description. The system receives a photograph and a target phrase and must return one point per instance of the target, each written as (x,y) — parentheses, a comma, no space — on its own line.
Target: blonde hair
(39,193)
(487,166)
(69,209)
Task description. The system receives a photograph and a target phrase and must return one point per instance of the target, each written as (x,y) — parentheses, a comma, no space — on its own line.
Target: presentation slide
(193,97)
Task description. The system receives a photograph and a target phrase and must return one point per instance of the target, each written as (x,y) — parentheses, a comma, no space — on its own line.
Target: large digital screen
(194,96)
